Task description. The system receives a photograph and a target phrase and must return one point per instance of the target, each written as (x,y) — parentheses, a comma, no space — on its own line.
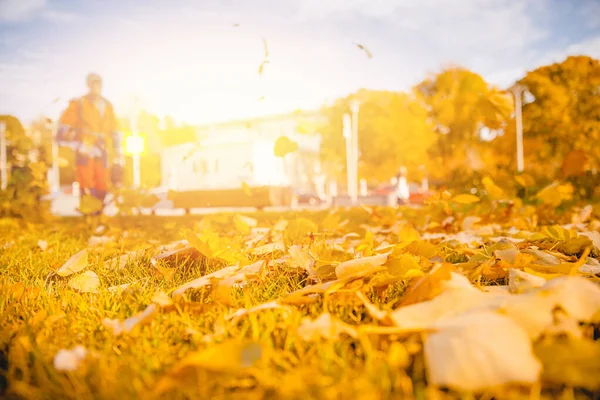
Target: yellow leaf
(298,230)
(199,244)
(228,357)
(571,362)
(246,189)
(284,146)
(465,198)
(493,191)
(407,235)
(555,193)
(87,282)
(300,258)
(90,205)
(428,286)
(361,266)
(244,224)
(74,264)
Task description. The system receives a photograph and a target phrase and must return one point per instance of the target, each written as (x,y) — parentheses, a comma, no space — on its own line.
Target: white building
(227,154)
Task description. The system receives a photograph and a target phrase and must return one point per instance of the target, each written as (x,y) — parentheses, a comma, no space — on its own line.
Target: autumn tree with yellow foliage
(393,131)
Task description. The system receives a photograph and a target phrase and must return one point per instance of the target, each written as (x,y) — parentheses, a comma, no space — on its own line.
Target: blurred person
(89,127)
(402,190)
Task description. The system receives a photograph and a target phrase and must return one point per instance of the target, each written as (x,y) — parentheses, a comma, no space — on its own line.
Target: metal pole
(136,170)
(354,106)
(55,167)
(347,130)
(3,158)
(518,93)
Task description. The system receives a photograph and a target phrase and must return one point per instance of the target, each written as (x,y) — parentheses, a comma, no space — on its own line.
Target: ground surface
(493,299)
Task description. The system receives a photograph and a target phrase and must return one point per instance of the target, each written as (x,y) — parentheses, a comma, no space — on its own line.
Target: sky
(198,60)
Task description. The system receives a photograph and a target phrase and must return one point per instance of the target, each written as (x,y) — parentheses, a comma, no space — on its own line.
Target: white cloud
(16,10)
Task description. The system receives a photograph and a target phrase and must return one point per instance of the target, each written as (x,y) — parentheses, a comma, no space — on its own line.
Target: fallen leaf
(324,326)
(97,241)
(361,266)
(74,264)
(570,362)
(300,258)
(428,286)
(465,198)
(69,360)
(42,244)
(118,327)
(87,282)
(519,281)
(267,249)
(161,299)
(493,191)
(476,351)
(205,280)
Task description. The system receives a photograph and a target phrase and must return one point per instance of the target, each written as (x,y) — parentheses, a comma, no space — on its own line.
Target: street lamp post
(354,107)
(135,146)
(347,131)
(517,91)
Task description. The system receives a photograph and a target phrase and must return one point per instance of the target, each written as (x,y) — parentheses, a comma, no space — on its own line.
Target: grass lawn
(363,303)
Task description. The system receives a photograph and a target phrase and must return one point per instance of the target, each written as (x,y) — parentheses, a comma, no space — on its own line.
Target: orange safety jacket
(89,129)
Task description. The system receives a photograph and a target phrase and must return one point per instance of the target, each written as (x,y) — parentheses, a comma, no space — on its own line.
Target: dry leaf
(118,327)
(519,281)
(87,282)
(205,280)
(69,360)
(428,286)
(300,258)
(361,266)
(465,198)
(74,264)
(42,244)
(476,351)
(326,327)
(267,249)
(161,299)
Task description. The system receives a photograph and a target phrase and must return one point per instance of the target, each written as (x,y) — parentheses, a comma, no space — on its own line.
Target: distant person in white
(402,191)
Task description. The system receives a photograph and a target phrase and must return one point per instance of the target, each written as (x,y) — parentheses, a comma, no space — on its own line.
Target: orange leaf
(428,286)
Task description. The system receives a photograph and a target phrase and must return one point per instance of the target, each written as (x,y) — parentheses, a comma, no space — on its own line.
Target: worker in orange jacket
(89,126)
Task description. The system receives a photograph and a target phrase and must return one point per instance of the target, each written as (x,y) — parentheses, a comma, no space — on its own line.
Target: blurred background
(452,91)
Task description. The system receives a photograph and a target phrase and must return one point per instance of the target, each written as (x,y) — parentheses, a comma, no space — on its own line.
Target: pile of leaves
(460,296)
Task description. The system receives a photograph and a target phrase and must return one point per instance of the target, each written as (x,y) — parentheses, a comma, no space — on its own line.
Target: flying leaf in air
(363,48)
(479,350)
(493,191)
(87,282)
(465,198)
(246,189)
(74,264)
(284,146)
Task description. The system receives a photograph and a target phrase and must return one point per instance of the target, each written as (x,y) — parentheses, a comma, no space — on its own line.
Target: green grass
(40,314)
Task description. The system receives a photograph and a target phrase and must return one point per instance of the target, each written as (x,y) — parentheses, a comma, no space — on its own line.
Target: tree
(563,117)
(392,131)
(27,174)
(462,105)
